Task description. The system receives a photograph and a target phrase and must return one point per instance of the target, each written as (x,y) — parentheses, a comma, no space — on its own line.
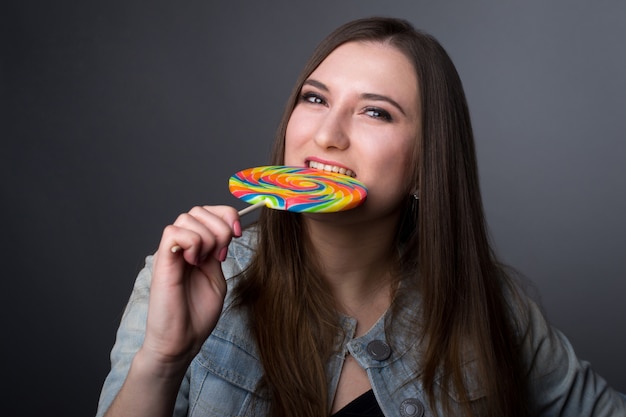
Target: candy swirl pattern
(297,189)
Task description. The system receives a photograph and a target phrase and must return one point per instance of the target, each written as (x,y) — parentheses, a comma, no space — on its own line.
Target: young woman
(396,308)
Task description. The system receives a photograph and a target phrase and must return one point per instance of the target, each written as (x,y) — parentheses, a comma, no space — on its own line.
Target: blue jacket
(222,379)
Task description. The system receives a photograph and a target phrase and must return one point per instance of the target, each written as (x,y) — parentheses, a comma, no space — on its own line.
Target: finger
(215,225)
(229,215)
(194,243)
(219,222)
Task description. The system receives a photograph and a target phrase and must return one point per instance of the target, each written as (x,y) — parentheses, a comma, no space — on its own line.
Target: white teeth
(330,168)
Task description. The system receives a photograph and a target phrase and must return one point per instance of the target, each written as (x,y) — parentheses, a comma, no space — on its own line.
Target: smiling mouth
(331,168)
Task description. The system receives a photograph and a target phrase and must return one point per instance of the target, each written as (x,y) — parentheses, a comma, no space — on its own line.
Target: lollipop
(297,189)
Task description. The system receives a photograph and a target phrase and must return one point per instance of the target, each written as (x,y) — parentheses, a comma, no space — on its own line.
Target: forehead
(377,66)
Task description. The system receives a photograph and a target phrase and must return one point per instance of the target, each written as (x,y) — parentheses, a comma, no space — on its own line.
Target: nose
(333,131)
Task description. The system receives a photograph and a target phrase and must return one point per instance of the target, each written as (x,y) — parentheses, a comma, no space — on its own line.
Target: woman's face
(358,113)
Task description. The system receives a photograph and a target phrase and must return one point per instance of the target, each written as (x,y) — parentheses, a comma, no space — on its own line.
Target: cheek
(290,142)
(397,175)
(296,135)
(392,174)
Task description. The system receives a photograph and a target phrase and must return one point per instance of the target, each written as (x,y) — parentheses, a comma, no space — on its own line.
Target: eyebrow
(366,96)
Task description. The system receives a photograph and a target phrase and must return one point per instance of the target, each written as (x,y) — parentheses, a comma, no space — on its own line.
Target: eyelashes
(374,112)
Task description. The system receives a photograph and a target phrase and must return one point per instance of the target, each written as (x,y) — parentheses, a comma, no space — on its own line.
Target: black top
(362,406)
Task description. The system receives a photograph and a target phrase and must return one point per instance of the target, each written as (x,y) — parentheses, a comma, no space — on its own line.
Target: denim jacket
(222,380)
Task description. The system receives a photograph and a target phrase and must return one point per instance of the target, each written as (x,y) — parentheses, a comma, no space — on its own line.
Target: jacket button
(411,408)
(378,350)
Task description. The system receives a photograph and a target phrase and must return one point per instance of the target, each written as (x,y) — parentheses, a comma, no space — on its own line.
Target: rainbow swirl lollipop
(297,189)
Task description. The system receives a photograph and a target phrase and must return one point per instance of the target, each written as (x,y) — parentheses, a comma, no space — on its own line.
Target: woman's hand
(188,287)
(186,298)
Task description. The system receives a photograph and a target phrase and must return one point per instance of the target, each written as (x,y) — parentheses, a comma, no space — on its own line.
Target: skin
(359,110)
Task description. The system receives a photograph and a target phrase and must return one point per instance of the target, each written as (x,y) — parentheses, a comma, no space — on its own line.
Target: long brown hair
(444,249)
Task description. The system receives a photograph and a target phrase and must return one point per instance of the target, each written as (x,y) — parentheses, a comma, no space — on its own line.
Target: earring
(416,195)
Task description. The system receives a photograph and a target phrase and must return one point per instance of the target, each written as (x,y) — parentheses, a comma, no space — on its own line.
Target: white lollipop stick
(253,207)
(241,212)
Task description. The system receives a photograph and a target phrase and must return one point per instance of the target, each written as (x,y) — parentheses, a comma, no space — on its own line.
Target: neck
(357,261)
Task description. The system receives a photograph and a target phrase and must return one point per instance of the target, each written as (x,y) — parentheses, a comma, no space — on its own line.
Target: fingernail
(223,253)
(237,228)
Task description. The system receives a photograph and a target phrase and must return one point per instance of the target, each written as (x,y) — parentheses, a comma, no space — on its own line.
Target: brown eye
(377,113)
(312,98)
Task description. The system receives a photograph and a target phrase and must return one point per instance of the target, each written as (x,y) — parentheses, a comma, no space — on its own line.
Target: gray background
(117,116)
